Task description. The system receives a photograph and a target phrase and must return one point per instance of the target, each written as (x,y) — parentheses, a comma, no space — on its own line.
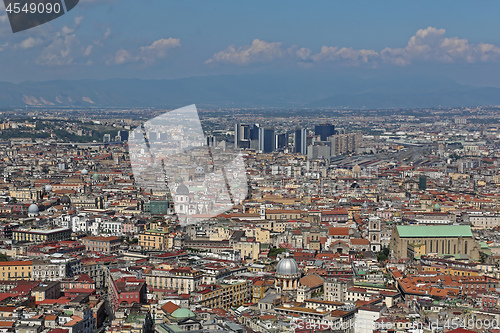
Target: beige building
(232,293)
(184,279)
(102,244)
(41,235)
(440,239)
(247,249)
(484,221)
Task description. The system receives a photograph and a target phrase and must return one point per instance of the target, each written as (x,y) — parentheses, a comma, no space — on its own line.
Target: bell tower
(374,230)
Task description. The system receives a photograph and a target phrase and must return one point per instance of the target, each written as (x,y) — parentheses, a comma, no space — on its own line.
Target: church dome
(96,176)
(182,190)
(84,172)
(356,169)
(33,209)
(65,200)
(287,266)
(48,188)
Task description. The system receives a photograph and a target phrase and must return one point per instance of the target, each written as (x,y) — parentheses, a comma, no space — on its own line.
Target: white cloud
(30,42)
(158,49)
(428,45)
(107,33)
(347,55)
(146,54)
(65,49)
(121,56)
(88,50)
(78,21)
(258,51)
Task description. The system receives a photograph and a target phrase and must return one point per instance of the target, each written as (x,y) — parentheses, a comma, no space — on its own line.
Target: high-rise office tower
(123,135)
(324,131)
(242,136)
(281,141)
(266,139)
(300,141)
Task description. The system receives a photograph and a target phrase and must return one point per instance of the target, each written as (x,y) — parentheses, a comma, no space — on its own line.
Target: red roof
(170,307)
(339,231)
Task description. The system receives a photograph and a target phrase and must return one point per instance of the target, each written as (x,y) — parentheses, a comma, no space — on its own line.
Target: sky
(164,39)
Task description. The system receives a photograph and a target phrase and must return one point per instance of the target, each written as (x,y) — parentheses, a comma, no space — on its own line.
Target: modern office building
(324,131)
(266,139)
(301,141)
(242,136)
(281,141)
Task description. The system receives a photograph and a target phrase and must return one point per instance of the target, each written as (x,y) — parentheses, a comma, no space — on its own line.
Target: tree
(275,251)
(482,257)
(383,255)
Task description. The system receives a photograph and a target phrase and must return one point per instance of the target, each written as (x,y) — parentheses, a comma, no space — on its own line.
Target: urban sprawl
(355,221)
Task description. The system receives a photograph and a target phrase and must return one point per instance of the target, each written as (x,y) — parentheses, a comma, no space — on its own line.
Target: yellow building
(221,233)
(451,271)
(154,239)
(259,288)
(415,251)
(24,194)
(51,290)
(41,235)
(234,294)
(248,249)
(16,270)
(262,236)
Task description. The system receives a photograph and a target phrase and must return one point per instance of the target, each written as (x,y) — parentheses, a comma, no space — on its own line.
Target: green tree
(273,253)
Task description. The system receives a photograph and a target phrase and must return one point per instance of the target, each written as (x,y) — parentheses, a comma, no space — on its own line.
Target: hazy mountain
(268,90)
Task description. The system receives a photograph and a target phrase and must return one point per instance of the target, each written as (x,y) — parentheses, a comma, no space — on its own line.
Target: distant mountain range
(314,91)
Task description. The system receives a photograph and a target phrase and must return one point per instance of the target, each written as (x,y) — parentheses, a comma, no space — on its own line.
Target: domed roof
(65,200)
(33,209)
(287,266)
(96,175)
(84,172)
(356,169)
(182,313)
(182,190)
(437,206)
(48,188)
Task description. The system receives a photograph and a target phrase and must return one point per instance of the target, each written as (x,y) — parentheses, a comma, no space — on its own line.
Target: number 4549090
(33,8)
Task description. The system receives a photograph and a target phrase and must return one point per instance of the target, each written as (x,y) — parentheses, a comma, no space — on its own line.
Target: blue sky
(164,39)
